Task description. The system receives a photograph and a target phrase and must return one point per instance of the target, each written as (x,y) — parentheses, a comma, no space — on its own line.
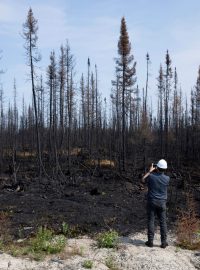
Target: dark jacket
(157,186)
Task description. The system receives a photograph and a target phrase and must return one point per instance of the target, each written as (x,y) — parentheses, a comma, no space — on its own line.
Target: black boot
(149,244)
(164,245)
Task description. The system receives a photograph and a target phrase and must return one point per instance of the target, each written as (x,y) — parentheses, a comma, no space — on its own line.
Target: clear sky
(92,28)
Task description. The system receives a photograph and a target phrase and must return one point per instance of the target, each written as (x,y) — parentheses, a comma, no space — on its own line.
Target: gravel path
(131,254)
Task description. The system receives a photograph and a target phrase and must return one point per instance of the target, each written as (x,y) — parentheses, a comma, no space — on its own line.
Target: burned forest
(72,155)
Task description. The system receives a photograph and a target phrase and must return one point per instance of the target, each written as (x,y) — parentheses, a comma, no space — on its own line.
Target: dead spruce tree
(62,84)
(195,118)
(52,87)
(30,28)
(70,98)
(160,110)
(167,94)
(2,121)
(125,73)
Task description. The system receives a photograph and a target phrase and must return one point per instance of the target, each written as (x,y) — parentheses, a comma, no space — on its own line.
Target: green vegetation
(111,264)
(65,228)
(107,239)
(87,264)
(45,242)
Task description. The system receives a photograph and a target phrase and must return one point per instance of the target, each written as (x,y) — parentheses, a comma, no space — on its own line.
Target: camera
(154,165)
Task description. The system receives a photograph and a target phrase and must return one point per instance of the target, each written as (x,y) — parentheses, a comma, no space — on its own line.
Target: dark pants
(157,207)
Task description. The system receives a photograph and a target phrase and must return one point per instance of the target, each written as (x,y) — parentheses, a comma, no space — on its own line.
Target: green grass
(65,229)
(87,264)
(107,239)
(46,241)
(43,243)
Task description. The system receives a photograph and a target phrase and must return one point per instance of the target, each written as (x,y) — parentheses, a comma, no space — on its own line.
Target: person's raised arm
(151,169)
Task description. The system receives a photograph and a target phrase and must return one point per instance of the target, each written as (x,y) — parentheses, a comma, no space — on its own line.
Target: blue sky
(92,28)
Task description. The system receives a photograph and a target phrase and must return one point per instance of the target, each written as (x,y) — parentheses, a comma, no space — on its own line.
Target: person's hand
(152,168)
(141,186)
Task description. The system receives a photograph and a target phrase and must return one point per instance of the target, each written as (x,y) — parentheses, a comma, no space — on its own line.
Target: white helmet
(162,164)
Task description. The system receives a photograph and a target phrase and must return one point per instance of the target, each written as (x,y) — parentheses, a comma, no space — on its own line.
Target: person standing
(157,183)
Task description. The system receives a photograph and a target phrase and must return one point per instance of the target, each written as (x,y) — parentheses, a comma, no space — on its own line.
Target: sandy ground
(131,254)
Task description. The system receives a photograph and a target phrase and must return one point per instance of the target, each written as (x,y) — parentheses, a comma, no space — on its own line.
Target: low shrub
(188,226)
(107,239)
(46,241)
(87,264)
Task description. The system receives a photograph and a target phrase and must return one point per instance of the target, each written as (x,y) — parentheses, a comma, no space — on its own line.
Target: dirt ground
(88,204)
(131,254)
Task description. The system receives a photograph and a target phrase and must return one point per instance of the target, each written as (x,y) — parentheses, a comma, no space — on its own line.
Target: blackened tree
(126,70)
(167,92)
(30,28)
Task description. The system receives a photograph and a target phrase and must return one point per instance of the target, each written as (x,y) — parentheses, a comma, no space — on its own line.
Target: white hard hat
(162,164)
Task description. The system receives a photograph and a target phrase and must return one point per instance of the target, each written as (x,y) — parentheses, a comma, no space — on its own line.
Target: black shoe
(164,245)
(149,244)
